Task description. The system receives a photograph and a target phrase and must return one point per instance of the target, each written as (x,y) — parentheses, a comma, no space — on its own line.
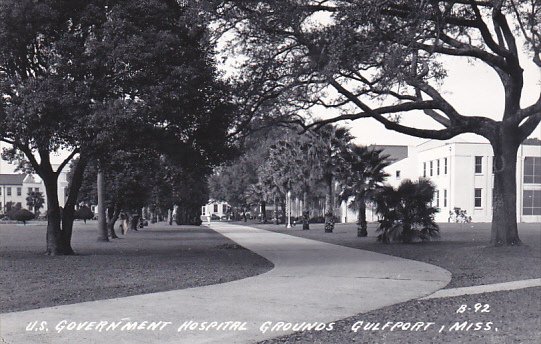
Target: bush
(21,215)
(406,213)
(321,219)
(84,213)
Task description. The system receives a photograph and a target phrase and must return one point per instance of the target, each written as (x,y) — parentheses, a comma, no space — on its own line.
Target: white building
(32,181)
(463,175)
(215,208)
(14,188)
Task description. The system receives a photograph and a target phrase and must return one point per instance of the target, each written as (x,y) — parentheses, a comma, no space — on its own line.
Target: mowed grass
(463,250)
(157,258)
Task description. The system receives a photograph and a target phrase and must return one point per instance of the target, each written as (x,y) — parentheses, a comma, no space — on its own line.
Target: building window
(424,169)
(437,197)
(397,174)
(19,191)
(444,198)
(216,208)
(478,164)
(531,204)
(445,166)
(532,170)
(224,208)
(203,210)
(29,191)
(36,189)
(0,191)
(478,198)
(438,167)
(431,168)
(8,191)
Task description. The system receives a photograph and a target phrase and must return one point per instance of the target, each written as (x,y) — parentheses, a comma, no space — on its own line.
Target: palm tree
(361,180)
(331,144)
(407,212)
(310,170)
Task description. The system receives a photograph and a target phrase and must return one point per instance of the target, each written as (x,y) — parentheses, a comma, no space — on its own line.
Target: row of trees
(99,78)
(145,179)
(307,166)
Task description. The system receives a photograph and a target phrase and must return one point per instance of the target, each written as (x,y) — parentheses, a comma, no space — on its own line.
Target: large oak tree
(383,59)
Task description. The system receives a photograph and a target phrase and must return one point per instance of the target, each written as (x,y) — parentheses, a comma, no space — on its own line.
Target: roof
(395,152)
(532,142)
(12,179)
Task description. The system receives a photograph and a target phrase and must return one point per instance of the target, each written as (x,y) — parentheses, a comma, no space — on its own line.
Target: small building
(216,209)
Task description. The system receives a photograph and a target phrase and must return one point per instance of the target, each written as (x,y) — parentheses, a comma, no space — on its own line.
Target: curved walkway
(312,282)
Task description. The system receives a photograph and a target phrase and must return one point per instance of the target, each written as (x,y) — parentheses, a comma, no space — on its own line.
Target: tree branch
(28,152)
(67,160)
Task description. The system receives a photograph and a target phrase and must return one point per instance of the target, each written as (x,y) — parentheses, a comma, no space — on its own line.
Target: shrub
(321,219)
(84,213)
(21,215)
(406,212)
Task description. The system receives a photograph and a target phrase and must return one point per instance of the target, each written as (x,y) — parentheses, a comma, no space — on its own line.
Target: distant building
(215,208)
(14,188)
(25,182)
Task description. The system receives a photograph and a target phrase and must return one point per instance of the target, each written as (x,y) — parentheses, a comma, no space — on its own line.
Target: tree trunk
(284,211)
(263,211)
(56,239)
(134,221)
(102,223)
(112,217)
(68,213)
(361,219)
(504,229)
(305,212)
(329,206)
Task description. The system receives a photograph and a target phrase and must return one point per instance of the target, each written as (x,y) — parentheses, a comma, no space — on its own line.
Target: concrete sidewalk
(312,282)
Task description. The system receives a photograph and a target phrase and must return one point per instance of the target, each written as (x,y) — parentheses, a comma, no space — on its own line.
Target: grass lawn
(514,316)
(163,258)
(464,251)
(157,258)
